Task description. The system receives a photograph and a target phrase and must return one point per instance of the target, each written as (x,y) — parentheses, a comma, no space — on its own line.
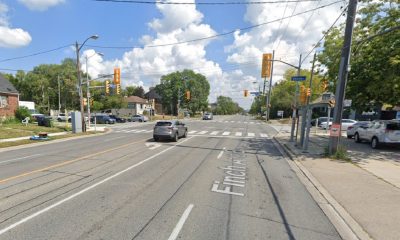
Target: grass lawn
(23,142)
(14,130)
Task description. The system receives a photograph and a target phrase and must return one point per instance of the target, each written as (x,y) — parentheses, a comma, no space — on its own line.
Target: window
(141,106)
(3,101)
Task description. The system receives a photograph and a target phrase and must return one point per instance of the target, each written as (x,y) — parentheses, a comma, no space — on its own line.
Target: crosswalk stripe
(245,122)
(238,134)
(202,132)
(263,135)
(250,134)
(191,132)
(140,131)
(148,131)
(214,133)
(251,122)
(226,133)
(232,121)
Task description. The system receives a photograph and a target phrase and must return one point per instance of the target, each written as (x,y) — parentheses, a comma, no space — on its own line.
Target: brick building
(8,98)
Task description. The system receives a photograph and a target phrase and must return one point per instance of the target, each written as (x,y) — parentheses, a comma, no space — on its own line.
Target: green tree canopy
(174,85)
(226,106)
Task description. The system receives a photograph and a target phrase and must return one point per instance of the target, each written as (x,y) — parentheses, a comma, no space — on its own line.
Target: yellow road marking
(66,162)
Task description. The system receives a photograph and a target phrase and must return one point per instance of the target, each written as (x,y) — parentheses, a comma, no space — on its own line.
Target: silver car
(139,118)
(353,128)
(379,133)
(173,129)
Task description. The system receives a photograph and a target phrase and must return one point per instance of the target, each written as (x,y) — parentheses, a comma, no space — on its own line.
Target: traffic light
(84,101)
(308,92)
(303,95)
(187,95)
(246,93)
(117,76)
(91,102)
(118,88)
(107,87)
(324,85)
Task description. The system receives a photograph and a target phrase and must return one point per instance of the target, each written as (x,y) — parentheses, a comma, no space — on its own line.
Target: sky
(150,40)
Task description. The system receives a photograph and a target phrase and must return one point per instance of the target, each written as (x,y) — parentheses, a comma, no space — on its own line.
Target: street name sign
(299,78)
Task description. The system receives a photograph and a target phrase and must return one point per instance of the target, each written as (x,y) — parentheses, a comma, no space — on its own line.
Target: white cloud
(11,37)
(40,5)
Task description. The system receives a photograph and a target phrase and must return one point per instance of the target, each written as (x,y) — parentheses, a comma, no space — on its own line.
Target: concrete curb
(34,144)
(344,223)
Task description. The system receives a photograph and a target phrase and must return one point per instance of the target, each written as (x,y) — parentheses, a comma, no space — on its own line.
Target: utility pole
(59,94)
(309,109)
(343,74)
(87,91)
(270,87)
(78,69)
(294,115)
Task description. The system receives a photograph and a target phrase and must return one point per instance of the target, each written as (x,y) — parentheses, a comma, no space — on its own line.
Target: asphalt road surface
(226,180)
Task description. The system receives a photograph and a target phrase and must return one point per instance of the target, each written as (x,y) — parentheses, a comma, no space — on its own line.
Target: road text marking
(220,154)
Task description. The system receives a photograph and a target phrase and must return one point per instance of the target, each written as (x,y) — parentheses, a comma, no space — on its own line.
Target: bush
(21,113)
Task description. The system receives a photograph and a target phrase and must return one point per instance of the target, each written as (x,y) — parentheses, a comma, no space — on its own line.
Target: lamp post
(88,85)
(78,68)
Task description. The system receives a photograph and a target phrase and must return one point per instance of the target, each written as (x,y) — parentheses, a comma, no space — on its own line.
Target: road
(226,180)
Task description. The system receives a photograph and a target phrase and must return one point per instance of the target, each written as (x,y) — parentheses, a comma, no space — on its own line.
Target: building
(138,104)
(155,99)
(9,97)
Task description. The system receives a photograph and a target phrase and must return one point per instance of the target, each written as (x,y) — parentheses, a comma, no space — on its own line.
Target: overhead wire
(35,54)
(204,3)
(287,25)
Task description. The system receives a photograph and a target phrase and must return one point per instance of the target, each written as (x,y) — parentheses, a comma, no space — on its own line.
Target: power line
(217,35)
(325,34)
(205,3)
(287,25)
(35,54)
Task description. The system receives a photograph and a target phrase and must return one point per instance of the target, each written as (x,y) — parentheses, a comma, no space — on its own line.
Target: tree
(174,85)
(226,106)
(374,78)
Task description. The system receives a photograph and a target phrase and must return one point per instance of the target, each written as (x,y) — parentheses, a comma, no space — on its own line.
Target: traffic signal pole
(309,109)
(270,87)
(343,74)
(294,114)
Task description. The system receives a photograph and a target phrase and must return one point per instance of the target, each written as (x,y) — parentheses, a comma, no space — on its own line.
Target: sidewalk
(366,190)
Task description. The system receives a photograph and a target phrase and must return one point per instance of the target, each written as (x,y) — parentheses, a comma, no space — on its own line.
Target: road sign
(280,113)
(335,130)
(299,78)
(347,103)
(255,93)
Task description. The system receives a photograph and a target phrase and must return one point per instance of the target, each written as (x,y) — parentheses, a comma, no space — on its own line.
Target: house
(138,104)
(155,99)
(9,97)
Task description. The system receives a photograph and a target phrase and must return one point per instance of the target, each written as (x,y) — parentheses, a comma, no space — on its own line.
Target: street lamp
(88,84)
(78,68)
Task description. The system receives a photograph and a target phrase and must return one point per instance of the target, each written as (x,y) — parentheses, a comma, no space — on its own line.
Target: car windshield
(163,124)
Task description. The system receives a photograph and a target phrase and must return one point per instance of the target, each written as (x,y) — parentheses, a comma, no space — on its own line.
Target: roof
(6,86)
(136,99)
(152,94)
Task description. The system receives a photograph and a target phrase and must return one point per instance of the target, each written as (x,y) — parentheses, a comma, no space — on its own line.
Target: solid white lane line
(214,133)
(2,231)
(238,134)
(182,221)
(191,132)
(251,122)
(141,131)
(226,133)
(250,134)
(20,158)
(111,139)
(148,131)
(202,132)
(220,153)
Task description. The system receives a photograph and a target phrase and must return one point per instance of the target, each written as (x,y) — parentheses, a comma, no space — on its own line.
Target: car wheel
(349,136)
(185,135)
(357,138)
(176,137)
(140,120)
(107,122)
(59,119)
(375,143)
(155,138)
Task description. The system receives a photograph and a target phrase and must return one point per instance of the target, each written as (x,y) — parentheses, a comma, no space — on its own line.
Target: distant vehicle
(117,119)
(139,118)
(173,129)
(345,124)
(379,133)
(353,128)
(103,119)
(36,116)
(207,116)
(61,117)
(320,120)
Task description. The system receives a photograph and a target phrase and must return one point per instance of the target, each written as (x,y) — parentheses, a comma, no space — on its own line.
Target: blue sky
(231,63)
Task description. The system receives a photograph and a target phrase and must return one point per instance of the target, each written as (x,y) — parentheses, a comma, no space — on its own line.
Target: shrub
(21,113)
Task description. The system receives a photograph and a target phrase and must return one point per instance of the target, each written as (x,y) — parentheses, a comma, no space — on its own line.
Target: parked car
(61,117)
(117,119)
(102,119)
(320,120)
(345,124)
(379,133)
(353,128)
(207,116)
(139,118)
(173,129)
(36,116)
